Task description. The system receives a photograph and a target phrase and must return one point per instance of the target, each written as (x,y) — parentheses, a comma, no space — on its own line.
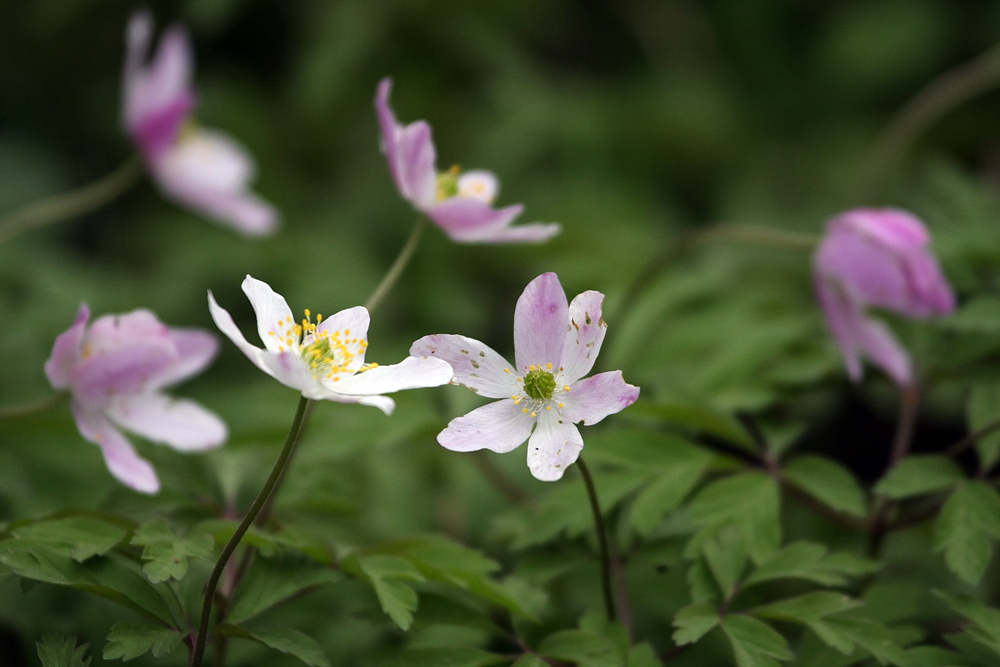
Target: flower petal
(352,325)
(66,350)
(409,151)
(383,403)
(479,184)
(468,220)
(535,232)
(553,447)
(540,320)
(474,364)
(878,343)
(274,317)
(411,373)
(195,350)
(150,89)
(595,398)
(121,458)
(583,337)
(224,321)
(182,424)
(500,426)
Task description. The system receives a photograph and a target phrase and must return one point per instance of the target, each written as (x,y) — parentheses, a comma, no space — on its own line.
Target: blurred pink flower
(325,359)
(116,369)
(203,169)
(459,202)
(555,345)
(877,258)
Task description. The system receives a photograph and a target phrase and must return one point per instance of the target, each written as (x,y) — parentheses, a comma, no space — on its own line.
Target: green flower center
(447,183)
(539,384)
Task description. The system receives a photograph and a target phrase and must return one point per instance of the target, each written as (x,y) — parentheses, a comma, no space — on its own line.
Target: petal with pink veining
(540,320)
(180,423)
(591,400)
(500,426)
(66,351)
(121,458)
(553,447)
(474,364)
(583,336)
(195,351)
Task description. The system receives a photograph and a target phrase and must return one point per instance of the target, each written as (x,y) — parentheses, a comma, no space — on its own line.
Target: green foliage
(754,643)
(982,410)
(812,562)
(916,475)
(271,581)
(58,651)
(167,553)
(749,501)
(128,640)
(285,640)
(965,530)
(83,536)
(827,481)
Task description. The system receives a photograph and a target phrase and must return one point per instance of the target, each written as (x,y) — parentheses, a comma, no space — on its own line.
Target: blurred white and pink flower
(543,395)
(202,169)
(325,359)
(460,203)
(115,370)
(877,258)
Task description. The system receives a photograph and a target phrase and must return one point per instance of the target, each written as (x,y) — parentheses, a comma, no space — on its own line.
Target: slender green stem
(971,439)
(266,510)
(25,409)
(602,539)
(213,581)
(73,203)
(900,448)
(398,266)
(935,100)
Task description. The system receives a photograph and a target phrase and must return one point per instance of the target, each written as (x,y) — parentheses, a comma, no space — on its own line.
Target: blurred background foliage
(634,123)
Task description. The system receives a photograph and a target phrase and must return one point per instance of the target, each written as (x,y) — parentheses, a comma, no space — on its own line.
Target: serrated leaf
(583,647)
(643,655)
(982,410)
(922,473)
(810,561)
(935,656)
(665,493)
(436,610)
(986,619)
(748,500)
(449,656)
(964,528)
(808,607)
(59,651)
(273,580)
(388,575)
(285,640)
(81,536)
(726,556)
(167,552)
(130,639)
(874,637)
(693,622)
(754,643)
(827,481)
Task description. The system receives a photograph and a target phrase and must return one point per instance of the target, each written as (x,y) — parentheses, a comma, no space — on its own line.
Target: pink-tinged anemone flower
(877,258)
(555,345)
(459,202)
(199,168)
(325,359)
(116,369)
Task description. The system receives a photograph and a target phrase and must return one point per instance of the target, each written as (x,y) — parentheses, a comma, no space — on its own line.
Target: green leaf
(967,522)
(874,637)
(701,420)
(643,655)
(754,643)
(748,500)
(130,639)
(82,536)
(726,556)
(449,656)
(827,481)
(693,622)
(59,651)
(807,608)
(982,410)
(923,473)
(810,561)
(387,575)
(981,314)
(530,660)
(665,493)
(167,553)
(583,647)
(273,580)
(935,656)
(285,640)
(436,610)
(986,630)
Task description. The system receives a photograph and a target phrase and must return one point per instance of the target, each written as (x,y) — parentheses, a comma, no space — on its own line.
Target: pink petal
(893,228)
(540,321)
(469,220)
(841,317)
(411,373)
(195,351)
(474,364)
(182,424)
(128,467)
(535,232)
(500,426)
(149,90)
(409,151)
(584,336)
(274,317)
(553,447)
(878,343)
(591,400)
(66,351)
(157,132)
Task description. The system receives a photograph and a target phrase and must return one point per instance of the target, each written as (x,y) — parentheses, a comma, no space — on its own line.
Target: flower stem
(397,267)
(945,93)
(961,445)
(73,203)
(602,539)
(213,581)
(25,409)
(900,448)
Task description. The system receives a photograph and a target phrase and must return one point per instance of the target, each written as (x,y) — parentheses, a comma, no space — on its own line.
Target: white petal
(352,325)
(275,323)
(383,403)
(411,373)
(182,424)
(500,426)
(128,467)
(224,321)
(474,364)
(584,336)
(553,447)
(479,184)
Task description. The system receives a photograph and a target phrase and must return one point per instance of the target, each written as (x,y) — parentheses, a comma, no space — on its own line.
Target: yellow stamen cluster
(328,353)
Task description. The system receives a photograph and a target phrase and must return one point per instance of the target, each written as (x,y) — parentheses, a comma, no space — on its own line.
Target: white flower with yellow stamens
(325,359)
